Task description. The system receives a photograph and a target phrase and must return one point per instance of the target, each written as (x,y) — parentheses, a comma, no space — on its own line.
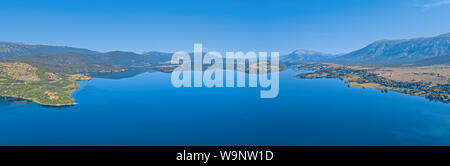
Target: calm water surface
(147,110)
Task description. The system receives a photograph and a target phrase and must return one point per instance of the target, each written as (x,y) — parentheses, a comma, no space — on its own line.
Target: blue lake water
(147,110)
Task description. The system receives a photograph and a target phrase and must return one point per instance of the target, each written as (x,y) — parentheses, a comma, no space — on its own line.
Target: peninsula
(21,80)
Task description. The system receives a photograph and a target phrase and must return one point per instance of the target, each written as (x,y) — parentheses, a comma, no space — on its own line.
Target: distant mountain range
(383,52)
(73,63)
(10,49)
(399,51)
(303,55)
(418,51)
(158,57)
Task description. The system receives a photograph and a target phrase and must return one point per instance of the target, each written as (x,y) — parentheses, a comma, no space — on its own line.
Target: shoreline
(40,103)
(363,78)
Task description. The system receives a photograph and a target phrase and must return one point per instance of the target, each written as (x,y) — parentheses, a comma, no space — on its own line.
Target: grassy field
(439,74)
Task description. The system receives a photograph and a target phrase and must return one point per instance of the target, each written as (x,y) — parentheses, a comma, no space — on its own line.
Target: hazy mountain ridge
(304,55)
(399,51)
(417,51)
(11,49)
(156,57)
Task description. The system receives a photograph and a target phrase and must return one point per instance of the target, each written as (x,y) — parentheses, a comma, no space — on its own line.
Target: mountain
(399,51)
(439,60)
(10,49)
(158,57)
(74,63)
(302,55)
(122,58)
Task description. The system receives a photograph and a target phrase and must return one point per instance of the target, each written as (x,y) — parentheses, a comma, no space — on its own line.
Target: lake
(147,110)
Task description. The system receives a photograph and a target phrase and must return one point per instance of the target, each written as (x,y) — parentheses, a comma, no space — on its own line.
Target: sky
(330,26)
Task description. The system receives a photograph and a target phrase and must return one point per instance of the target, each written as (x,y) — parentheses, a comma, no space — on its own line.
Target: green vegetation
(365,79)
(21,80)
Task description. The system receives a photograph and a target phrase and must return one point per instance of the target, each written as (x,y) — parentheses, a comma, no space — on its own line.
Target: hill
(302,55)
(10,49)
(156,58)
(74,63)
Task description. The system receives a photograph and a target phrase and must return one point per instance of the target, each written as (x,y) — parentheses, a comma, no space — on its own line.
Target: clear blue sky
(331,26)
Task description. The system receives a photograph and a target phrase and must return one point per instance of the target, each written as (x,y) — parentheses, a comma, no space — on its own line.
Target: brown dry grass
(19,71)
(435,74)
(438,74)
